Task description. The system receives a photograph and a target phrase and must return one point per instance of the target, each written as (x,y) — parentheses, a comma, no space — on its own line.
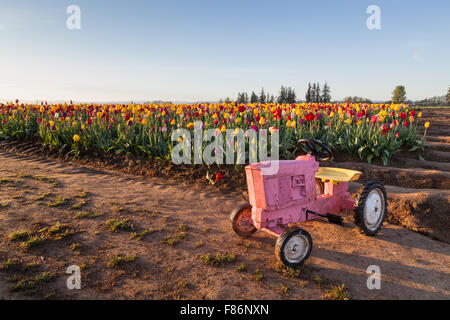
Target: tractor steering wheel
(316,148)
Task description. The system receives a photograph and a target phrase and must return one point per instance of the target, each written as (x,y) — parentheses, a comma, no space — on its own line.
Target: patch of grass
(32,242)
(319,281)
(284,288)
(241,267)
(51,181)
(286,271)
(120,260)
(199,244)
(10,265)
(142,234)
(117,225)
(79,205)
(75,246)
(43,196)
(6,182)
(171,241)
(83,193)
(88,215)
(58,201)
(30,285)
(337,293)
(258,275)
(118,209)
(31,239)
(21,235)
(4,205)
(219,259)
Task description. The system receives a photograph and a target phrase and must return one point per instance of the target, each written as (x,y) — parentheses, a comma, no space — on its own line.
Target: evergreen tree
(313,93)
(317,98)
(253,98)
(399,94)
(308,93)
(326,93)
(283,95)
(290,95)
(262,96)
(272,99)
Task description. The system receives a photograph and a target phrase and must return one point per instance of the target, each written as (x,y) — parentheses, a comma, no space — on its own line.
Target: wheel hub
(374,208)
(296,248)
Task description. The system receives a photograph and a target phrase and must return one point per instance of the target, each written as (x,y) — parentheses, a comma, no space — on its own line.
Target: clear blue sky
(194,50)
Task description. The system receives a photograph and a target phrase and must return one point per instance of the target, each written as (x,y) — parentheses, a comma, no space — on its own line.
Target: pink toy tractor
(301,191)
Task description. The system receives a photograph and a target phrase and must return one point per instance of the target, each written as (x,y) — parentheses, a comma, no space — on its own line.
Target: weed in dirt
(5,180)
(32,242)
(171,241)
(118,209)
(219,259)
(141,235)
(4,205)
(120,260)
(79,205)
(75,246)
(20,235)
(83,194)
(319,281)
(53,182)
(337,293)
(30,285)
(284,289)
(10,265)
(116,225)
(43,196)
(58,201)
(199,244)
(183,283)
(182,227)
(286,271)
(258,275)
(32,239)
(205,229)
(241,268)
(88,215)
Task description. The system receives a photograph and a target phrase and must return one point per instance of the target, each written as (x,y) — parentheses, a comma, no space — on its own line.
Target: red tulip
(219,177)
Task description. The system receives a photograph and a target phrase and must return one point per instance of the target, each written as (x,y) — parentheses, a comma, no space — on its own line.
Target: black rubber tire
(283,240)
(234,216)
(359,211)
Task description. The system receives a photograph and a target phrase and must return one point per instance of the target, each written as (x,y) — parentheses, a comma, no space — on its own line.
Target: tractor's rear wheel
(241,220)
(293,247)
(372,208)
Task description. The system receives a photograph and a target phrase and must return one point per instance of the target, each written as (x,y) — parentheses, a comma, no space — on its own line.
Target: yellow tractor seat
(337,174)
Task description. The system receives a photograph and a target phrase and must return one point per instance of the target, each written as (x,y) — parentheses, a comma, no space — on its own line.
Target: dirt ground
(413,266)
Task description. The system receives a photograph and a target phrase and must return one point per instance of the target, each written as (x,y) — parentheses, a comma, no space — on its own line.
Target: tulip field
(371,131)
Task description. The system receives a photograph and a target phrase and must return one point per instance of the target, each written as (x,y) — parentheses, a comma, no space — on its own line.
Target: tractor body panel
(282,198)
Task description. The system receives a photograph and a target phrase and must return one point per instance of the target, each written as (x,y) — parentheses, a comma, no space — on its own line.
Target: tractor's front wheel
(241,220)
(293,247)
(372,208)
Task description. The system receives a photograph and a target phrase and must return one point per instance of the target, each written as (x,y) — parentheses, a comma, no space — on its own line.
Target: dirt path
(412,266)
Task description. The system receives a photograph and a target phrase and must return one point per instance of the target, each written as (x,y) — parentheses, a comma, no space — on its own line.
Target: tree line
(314,93)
